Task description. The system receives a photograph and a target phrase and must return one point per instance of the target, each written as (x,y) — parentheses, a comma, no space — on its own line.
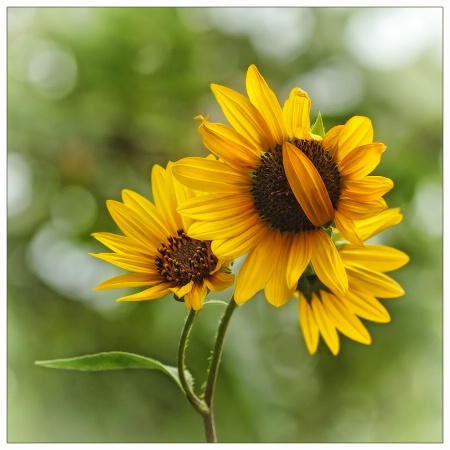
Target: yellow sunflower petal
(361,161)
(307,185)
(296,113)
(121,244)
(378,258)
(367,188)
(277,291)
(217,206)
(257,268)
(356,132)
(308,325)
(223,229)
(326,326)
(183,194)
(378,284)
(347,228)
(237,246)
(194,299)
(326,261)
(244,117)
(133,263)
(229,145)
(158,291)
(366,306)
(130,280)
(344,319)
(147,211)
(135,225)
(370,227)
(181,291)
(165,199)
(329,141)
(219,281)
(360,210)
(211,176)
(299,258)
(266,102)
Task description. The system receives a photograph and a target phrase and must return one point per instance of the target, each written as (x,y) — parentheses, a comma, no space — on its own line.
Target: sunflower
(157,249)
(324,312)
(277,186)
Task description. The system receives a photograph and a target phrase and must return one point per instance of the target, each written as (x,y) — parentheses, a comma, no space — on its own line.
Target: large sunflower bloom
(277,185)
(157,249)
(324,312)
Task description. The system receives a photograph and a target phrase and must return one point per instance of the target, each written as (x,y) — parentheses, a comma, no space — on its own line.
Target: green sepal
(114,361)
(318,127)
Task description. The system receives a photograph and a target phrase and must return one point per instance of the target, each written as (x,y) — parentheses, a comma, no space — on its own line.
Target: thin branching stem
(210,429)
(199,404)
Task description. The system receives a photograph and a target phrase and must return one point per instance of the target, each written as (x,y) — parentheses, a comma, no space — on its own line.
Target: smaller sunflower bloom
(277,186)
(156,248)
(323,312)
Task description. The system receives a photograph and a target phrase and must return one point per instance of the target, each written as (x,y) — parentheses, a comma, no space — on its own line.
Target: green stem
(196,402)
(213,370)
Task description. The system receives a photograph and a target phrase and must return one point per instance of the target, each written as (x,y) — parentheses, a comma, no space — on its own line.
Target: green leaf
(114,361)
(215,302)
(318,127)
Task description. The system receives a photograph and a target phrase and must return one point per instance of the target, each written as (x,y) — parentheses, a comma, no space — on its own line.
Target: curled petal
(296,112)
(307,185)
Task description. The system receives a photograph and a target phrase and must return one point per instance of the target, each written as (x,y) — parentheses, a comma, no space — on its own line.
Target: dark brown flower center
(185,259)
(273,196)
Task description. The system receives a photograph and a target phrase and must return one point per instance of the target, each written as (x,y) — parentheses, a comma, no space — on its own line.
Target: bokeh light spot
(335,87)
(52,70)
(279,33)
(19,184)
(427,208)
(390,38)
(73,209)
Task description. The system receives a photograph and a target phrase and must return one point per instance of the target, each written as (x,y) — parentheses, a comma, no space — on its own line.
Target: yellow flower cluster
(298,203)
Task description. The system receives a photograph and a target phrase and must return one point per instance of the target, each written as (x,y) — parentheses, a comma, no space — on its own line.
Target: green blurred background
(96,97)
